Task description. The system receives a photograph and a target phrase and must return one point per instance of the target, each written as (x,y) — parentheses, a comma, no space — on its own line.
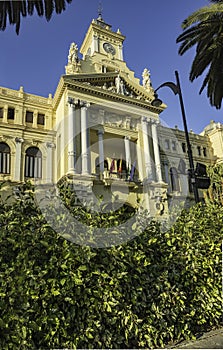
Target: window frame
(33,163)
(5,159)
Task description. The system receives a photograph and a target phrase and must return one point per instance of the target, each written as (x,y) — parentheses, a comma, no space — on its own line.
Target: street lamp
(157,102)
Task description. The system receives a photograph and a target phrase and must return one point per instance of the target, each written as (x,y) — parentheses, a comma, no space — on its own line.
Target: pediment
(115,84)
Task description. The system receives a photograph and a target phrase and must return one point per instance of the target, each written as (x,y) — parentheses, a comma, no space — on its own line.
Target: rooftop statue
(73,64)
(73,53)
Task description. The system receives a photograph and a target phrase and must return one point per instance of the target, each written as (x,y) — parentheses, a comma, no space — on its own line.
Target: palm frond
(13,10)
(202,14)
(49,8)
(204,30)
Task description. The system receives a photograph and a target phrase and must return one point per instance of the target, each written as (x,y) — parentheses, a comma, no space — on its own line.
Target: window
(205,151)
(4,158)
(40,119)
(33,163)
(1,112)
(167,144)
(199,150)
(29,117)
(174,145)
(174,179)
(11,113)
(183,147)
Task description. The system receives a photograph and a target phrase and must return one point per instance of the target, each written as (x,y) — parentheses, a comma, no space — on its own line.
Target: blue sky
(36,58)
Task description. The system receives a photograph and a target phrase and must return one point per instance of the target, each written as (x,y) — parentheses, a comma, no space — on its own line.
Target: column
(156,150)
(62,147)
(35,116)
(18,153)
(166,170)
(84,140)
(71,138)
(49,162)
(147,156)
(5,114)
(120,52)
(127,152)
(95,43)
(139,159)
(101,150)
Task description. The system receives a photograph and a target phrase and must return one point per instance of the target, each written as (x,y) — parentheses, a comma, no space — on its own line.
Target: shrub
(156,288)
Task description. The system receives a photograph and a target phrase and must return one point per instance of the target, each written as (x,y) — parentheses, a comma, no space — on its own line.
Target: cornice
(123,132)
(112,96)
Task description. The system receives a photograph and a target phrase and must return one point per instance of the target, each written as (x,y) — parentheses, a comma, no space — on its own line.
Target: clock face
(109,48)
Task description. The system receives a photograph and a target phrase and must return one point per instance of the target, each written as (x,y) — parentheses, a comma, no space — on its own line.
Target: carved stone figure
(146,79)
(74,64)
(73,57)
(112,87)
(120,88)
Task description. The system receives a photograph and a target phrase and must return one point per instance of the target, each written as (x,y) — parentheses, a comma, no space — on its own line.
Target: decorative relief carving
(158,193)
(118,86)
(36,142)
(119,121)
(36,99)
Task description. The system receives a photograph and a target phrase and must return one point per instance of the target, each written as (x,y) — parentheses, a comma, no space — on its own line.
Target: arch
(33,163)
(5,158)
(174,177)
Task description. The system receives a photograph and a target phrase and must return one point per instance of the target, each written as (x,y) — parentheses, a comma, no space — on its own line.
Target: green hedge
(158,287)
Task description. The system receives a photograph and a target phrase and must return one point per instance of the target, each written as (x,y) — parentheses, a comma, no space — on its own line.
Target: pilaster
(147,154)
(84,138)
(71,137)
(18,154)
(154,124)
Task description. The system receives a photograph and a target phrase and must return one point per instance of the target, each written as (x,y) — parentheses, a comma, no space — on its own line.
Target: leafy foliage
(215,191)
(204,29)
(156,288)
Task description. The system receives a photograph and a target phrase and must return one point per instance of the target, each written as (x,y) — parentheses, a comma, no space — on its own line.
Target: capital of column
(100,132)
(154,121)
(19,140)
(77,103)
(84,104)
(50,144)
(127,138)
(144,120)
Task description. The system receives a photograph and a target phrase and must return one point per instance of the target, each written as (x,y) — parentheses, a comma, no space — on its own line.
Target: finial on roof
(100,9)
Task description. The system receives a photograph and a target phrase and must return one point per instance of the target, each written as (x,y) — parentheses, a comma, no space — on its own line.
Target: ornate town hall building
(100,131)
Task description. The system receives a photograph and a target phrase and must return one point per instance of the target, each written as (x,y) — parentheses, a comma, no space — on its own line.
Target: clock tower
(100,39)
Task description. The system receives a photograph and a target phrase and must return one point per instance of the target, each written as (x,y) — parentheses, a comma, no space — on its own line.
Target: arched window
(174,179)
(4,158)
(33,162)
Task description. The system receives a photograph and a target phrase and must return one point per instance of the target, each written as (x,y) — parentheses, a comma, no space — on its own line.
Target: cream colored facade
(214,131)
(99,130)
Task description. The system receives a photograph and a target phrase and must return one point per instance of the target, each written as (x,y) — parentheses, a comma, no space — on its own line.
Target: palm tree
(204,28)
(11,11)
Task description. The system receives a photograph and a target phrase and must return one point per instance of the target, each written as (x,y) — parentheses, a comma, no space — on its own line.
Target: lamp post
(157,102)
